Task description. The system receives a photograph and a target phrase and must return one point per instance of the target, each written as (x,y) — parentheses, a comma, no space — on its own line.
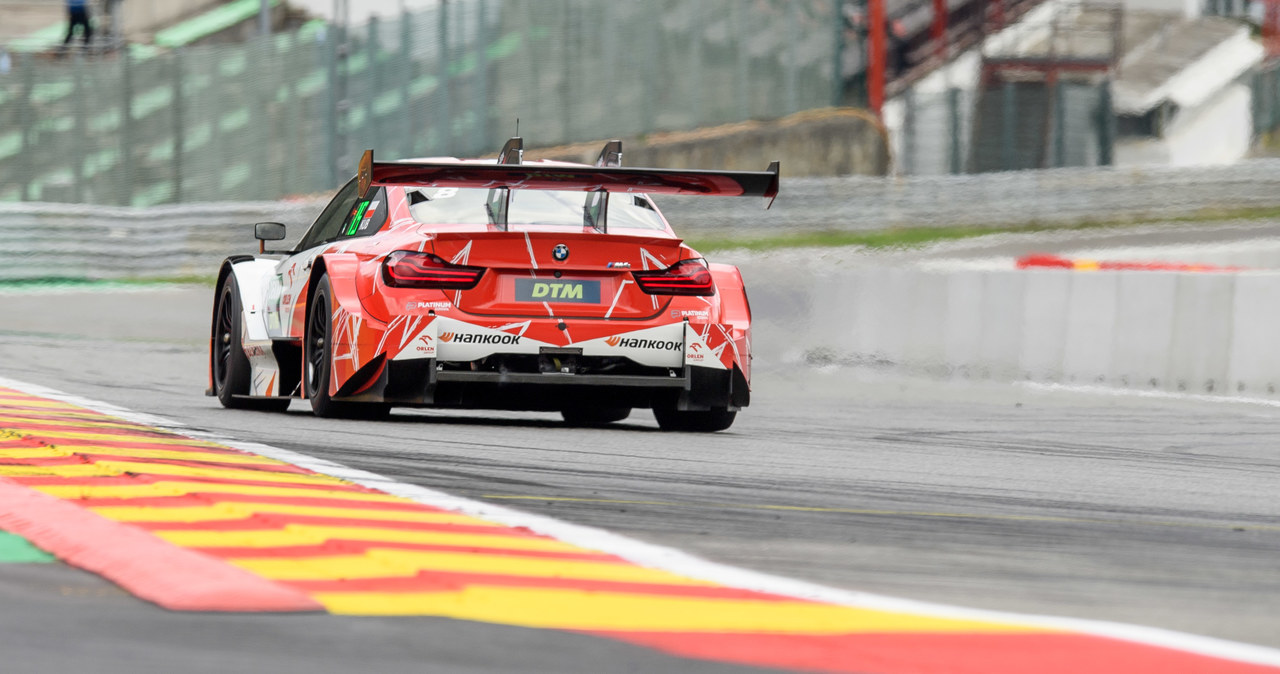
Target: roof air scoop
(611,155)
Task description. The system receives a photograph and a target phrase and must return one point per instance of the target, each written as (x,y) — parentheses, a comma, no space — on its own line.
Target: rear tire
(317,363)
(594,416)
(701,421)
(230,367)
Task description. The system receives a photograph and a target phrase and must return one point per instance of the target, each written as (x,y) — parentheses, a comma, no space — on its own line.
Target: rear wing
(607,176)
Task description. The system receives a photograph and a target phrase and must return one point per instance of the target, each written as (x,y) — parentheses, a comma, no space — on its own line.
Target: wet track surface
(1156,512)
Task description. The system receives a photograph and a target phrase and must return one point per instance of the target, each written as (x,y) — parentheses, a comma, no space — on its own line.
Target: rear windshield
(472,206)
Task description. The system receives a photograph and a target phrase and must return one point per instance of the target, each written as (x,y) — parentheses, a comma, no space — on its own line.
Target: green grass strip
(15,549)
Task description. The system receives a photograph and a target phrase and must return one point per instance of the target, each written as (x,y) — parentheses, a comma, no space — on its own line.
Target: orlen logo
(425,346)
(694,354)
(635,343)
(470,338)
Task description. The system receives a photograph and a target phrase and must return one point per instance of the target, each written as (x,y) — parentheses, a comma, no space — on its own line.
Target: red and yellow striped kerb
(194,525)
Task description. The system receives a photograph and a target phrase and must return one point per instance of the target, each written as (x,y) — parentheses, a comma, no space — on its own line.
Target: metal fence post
(1266,85)
(742,69)
(286,77)
(793,43)
(697,30)
(1255,90)
(331,109)
(566,78)
(81,132)
(837,54)
(1008,113)
(953,113)
(483,111)
(652,86)
(446,113)
(372,135)
(406,88)
(909,132)
(126,129)
(1274,100)
(26,123)
(1059,124)
(1106,126)
(179,132)
(260,124)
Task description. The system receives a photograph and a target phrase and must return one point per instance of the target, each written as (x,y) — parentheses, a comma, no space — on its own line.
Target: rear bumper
(421,382)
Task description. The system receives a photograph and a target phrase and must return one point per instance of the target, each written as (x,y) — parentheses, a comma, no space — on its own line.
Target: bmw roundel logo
(560,253)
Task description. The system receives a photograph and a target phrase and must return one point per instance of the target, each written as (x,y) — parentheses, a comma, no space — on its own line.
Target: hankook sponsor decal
(637,343)
(472,338)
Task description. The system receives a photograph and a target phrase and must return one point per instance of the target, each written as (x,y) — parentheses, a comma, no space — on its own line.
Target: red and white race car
(509,285)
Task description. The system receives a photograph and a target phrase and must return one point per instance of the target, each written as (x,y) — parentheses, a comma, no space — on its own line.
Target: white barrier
(1197,332)
(1254,359)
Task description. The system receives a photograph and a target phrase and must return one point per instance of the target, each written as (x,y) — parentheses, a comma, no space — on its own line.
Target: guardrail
(1049,197)
(110,242)
(42,240)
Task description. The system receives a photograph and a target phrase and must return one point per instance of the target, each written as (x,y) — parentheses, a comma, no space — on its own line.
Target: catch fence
(291,113)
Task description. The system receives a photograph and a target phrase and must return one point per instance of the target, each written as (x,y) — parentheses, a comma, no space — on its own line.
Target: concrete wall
(837,141)
(1193,332)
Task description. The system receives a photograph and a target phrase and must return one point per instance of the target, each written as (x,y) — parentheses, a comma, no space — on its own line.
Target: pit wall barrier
(1171,331)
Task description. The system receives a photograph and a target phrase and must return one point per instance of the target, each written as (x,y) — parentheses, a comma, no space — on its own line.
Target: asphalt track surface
(1158,512)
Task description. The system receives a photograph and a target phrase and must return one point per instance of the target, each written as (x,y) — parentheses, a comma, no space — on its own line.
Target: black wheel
(708,421)
(594,416)
(231,372)
(318,361)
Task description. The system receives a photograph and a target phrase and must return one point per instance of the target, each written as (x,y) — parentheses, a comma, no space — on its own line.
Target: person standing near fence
(78,15)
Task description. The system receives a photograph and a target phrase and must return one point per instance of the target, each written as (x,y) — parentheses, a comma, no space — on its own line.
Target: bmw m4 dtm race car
(509,285)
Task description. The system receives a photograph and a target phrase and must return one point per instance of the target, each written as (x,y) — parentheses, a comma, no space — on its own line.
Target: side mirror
(267,231)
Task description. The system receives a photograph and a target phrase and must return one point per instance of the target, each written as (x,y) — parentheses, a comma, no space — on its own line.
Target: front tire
(231,370)
(318,362)
(701,421)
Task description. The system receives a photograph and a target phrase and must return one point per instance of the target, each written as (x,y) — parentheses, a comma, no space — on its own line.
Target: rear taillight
(408,269)
(686,277)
